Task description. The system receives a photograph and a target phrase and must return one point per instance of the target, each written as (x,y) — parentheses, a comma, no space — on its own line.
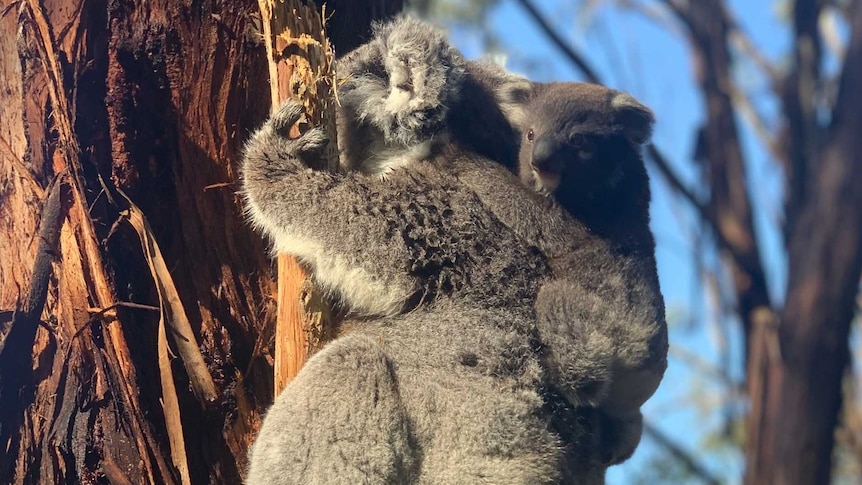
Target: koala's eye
(578,140)
(530,135)
(586,148)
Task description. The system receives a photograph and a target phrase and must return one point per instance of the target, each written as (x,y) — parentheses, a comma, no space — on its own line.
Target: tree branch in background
(801,398)
(747,111)
(573,56)
(743,41)
(684,457)
(799,98)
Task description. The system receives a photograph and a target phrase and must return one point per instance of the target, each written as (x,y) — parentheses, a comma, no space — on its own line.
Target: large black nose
(546,156)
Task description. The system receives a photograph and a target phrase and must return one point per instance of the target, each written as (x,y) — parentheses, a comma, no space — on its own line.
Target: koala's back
(456,247)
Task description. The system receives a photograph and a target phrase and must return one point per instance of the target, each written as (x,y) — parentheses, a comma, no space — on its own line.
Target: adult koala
(602,327)
(450,391)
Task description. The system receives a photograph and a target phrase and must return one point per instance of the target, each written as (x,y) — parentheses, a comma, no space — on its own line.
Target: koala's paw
(287,115)
(583,375)
(404,81)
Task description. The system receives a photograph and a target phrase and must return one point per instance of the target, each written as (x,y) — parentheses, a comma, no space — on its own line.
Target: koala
(580,145)
(444,385)
(602,328)
(446,256)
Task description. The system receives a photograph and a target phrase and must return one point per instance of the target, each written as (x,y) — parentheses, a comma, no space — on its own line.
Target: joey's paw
(578,355)
(583,376)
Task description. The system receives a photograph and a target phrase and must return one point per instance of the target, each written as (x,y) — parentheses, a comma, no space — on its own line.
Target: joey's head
(581,143)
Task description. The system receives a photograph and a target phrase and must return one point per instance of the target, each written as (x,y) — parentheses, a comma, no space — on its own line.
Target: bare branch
(799,95)
(574,57)
(690,463)
(755,120)
(653,12)
(743,41)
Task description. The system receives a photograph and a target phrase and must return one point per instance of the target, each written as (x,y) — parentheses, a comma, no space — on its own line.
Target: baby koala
(581,145)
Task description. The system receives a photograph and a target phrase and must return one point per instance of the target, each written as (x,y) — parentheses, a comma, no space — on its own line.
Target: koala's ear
(635,118)
(513,94)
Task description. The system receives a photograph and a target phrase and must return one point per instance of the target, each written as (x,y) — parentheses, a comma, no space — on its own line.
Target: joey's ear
(513,93)
(635,118)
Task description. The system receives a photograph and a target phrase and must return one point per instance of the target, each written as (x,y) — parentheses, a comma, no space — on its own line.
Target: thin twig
(561,44)
(693,466)
(654,13)
(745,45)
(755,120)
(98,314)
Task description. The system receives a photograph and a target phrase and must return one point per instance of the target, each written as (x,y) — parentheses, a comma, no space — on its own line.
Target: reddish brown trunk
(155,99)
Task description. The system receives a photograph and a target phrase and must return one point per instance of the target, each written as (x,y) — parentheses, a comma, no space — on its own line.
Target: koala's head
(581,142)
(402,82)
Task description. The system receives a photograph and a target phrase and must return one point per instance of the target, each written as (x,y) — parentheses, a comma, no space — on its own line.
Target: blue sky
(634,54)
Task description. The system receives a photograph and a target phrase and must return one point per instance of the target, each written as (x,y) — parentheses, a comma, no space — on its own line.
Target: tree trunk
(802,393)
(151,100)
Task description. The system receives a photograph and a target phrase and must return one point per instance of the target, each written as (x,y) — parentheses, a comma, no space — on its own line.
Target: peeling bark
(154,99)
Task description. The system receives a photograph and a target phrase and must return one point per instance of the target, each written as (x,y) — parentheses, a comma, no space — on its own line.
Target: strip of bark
(300,66)
(172,310)
(16,350)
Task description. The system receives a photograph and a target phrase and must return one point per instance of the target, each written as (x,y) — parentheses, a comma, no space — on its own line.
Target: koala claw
(291,111)
(286,116)
(312,140)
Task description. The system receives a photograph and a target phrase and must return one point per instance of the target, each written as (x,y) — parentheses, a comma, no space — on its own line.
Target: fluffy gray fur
(581,144)
(448,392)
(603,328)
(451,391)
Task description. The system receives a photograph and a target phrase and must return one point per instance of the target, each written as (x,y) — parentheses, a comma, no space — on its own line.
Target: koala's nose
(545,158)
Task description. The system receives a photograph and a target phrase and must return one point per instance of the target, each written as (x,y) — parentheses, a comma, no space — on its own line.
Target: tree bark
(802,397)
(153,99)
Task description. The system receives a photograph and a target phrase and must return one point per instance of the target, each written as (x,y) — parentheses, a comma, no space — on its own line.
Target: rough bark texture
(154,99)
(802,394)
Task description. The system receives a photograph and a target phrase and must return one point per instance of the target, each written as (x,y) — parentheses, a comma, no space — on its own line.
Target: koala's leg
(599,350)
(330,221)
(340,421)
(579,355)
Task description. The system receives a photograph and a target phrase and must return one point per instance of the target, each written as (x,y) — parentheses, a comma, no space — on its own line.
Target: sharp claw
(314,139)
(286,116)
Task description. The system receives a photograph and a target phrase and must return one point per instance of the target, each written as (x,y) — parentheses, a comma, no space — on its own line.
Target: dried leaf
(171,407)
(172,310)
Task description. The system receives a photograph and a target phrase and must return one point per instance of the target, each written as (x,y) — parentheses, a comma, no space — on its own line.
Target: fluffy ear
(513,94)
(635,118)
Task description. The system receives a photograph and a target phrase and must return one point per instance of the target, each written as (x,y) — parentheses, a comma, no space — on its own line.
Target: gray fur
(601,321)
(589,137)
(460,365)
(446,384)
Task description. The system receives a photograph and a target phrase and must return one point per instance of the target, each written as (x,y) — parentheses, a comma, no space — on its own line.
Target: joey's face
(550,159)
(580,139)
